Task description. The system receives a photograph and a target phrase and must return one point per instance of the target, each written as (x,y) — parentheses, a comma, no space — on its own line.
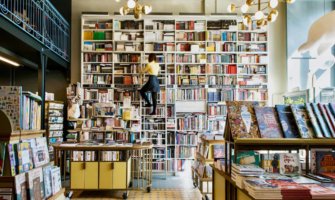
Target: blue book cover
(287,121)
(314,121)
(302,119)
(323,126)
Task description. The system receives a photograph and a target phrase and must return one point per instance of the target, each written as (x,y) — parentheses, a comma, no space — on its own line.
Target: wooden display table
(132,164)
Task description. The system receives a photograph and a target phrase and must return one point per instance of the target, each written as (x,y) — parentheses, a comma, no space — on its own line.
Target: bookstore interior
(175,100)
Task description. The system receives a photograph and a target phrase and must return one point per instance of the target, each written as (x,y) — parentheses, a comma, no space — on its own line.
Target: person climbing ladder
(152,85)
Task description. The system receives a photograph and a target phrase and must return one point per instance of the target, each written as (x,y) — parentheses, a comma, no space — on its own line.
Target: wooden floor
(159,194)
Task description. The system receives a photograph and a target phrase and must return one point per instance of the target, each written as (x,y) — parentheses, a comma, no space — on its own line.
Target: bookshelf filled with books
(54,119)
(283,148)
(26,170)
(204,60)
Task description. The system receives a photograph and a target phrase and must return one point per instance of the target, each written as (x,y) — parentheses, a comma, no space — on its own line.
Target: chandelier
(262,18)
(137,8)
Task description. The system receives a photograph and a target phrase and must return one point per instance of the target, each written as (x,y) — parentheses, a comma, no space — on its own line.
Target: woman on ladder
(152,85)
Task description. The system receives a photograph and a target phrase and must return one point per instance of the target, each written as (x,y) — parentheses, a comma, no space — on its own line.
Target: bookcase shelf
(179,41)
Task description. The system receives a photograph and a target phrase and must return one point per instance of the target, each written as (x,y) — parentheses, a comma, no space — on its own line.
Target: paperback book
(325,163)
(268,122)
(47,181)
(40,152)
(35,184)
(314,121)
(287,121)
(218,151)
(290,164)
(56,180)
(302,119)
(322,123)
(242,119)
(21,187)
(248,157)
(25,162)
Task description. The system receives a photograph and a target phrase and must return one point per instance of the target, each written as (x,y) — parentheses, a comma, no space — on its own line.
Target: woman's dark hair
(152,57)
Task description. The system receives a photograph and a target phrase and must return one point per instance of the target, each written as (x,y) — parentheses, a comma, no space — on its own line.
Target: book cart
(201,180)
(9,135)
(226,188)
(132,170)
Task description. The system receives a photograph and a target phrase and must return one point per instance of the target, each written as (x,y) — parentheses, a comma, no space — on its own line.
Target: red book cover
(328,174)
(319,191)
(325,117)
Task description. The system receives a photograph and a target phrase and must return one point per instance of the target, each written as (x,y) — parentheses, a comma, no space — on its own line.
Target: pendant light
(136,7)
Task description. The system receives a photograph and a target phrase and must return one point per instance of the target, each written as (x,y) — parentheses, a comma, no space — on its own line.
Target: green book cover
(247,158)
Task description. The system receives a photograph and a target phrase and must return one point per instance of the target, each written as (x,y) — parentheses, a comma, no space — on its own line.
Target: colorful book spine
(325,118)
(303,121)
(317,129)
(321,122)
(331,118)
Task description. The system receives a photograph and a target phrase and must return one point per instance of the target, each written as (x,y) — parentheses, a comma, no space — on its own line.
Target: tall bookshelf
(204,60)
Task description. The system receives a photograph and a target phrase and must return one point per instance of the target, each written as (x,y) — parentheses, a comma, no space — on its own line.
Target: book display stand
(24,153)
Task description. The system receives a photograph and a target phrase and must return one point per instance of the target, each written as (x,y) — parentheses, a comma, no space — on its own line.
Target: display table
(129,165)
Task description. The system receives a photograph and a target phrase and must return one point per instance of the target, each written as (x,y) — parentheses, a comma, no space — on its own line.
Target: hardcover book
(287,121)
(325,161)
(268,122)
(242,119)
(322,123)
(20,187)
(40,152)
(25,162)
(314,121)
(325,118)
(56,182)
(35,184)
(218,151)
(289,164)
(302,119)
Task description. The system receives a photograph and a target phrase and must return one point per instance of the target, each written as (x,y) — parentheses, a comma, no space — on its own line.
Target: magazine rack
(225,187)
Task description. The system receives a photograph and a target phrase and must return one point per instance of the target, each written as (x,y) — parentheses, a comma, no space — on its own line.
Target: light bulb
(259,15)
(246,20)
(117,1)
(121,11)
(273,3)
(290,1)
(249,2)
(231,8)
(244,8)
(146,9)
(131,4)
(274,13)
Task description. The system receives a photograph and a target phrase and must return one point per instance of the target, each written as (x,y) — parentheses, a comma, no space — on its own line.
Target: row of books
(252,95)
(190,25)
(127,57)
(192,122)
(252,37)
(159,47)
(127,69)
(185,152)
(94,46)
(190,36)
(190,138)
(248,58)
(218,58)
(216,109)
(128,24)
(221,24)
(190,47)
(191,69)
(92,156)
(310,120)
(250,48)
(55,127)
(187,58)
(222,80)
(216,124)
(98,25)
(97,79)
(98,35)
(119,96)
(252,69)
(159,36)
(216,95)
(127,80)
(97,57)
(98,68)
(250,27)
(191,80)
(159,25)
(128,46)
(128,36)
(191,94)
(31,113)
(230,47)
(27,155)
(101,95)
(39,183)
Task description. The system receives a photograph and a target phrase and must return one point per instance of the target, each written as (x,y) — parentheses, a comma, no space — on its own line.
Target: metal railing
(41,20)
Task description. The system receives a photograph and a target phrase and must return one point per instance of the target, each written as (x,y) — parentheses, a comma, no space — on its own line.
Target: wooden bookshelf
(219,56)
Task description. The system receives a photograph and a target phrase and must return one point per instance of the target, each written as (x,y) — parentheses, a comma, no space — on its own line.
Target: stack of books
(239,172)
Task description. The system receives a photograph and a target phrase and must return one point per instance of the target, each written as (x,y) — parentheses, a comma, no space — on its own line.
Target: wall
(301,16)
(277,38)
